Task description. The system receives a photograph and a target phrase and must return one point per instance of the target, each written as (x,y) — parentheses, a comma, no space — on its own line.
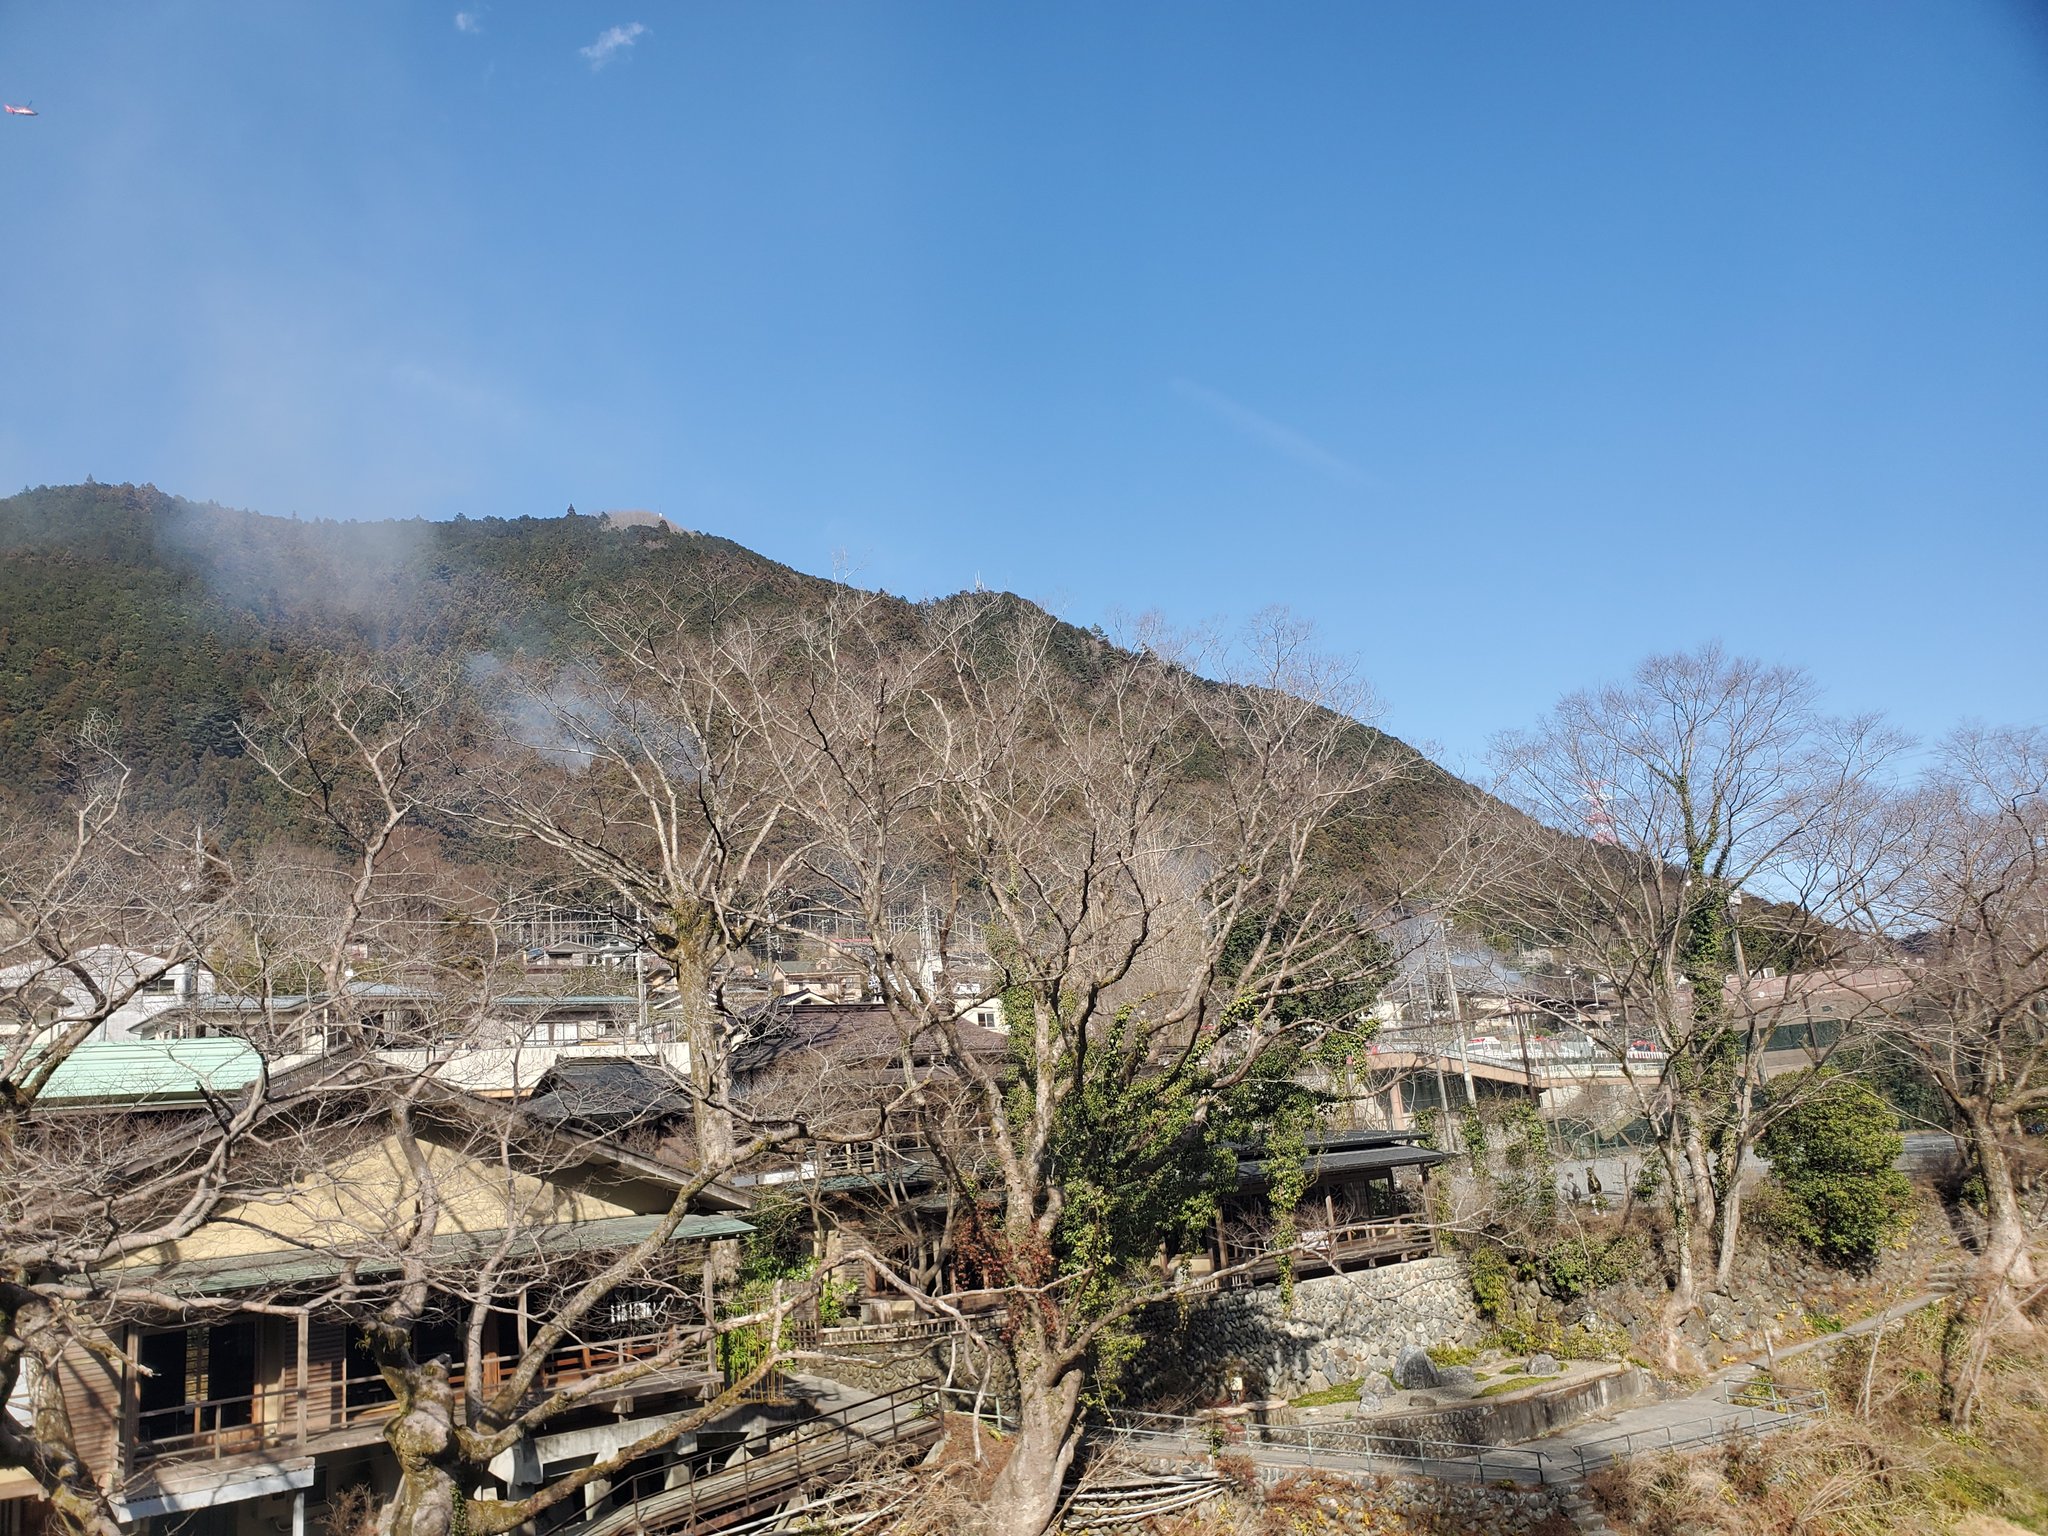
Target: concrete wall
(1491,1421)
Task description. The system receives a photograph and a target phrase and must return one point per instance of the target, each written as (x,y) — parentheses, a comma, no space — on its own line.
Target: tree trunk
(421,1435)
(708,1073)
(2008,1261)
(424,1505)
(78,1506)
(1679,1202)
(1731,1230)
(1026,1494)
(1699,1168)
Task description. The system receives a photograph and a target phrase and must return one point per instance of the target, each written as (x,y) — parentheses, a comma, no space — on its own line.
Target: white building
(43,997)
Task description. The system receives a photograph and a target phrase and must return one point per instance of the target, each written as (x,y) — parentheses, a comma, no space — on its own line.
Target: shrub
(1578,1264)
(1490,1276)
(1831,1160)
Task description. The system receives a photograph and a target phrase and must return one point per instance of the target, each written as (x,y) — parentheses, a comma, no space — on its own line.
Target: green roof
(133,1072)
(879,1178)
(296,1266)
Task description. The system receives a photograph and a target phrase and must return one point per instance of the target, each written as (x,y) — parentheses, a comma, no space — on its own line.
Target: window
(200,1379)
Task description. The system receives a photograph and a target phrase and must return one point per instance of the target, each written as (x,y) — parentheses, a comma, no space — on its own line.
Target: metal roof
(1344,1140)
(134,1072)
(1359,1159)
(575,1000)
(298,1266)
(909,1173)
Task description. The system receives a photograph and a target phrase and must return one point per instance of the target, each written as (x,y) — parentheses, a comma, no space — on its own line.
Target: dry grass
(1900,1470)
(1314,1503)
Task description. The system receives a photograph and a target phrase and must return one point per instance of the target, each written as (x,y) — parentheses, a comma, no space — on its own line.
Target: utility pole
(1457,1013)
(1528,1071)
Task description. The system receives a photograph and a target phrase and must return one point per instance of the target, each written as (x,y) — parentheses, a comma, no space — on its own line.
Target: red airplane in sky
(14,111)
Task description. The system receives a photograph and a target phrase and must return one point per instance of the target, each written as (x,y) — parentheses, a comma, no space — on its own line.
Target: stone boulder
(1414,1370)
(1544,1365)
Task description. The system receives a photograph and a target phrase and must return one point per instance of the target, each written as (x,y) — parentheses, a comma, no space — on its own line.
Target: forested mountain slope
(169,617)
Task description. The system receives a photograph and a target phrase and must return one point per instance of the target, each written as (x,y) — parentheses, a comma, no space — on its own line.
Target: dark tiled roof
(606,1093)
(1351,1160)
(848,1031)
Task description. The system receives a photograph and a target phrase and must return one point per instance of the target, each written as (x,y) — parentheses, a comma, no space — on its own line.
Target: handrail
(851,1334)
(564,1366)
(1380,1237)
(1339,1439)
(1328,1239)
(764,1465)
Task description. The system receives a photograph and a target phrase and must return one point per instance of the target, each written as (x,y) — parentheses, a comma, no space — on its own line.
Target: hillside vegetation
(169,617)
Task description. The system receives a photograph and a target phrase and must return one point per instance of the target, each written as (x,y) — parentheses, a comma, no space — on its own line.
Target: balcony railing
(1334,1248)
(283,1413)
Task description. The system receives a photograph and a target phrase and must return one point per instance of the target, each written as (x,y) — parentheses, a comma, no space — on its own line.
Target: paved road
(1651,1427)
(1742,1368)
(1670,1424)
(1706,1414)
(1925,1152)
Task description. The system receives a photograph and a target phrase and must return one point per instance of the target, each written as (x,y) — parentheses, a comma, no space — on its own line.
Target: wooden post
(300,1381)
(710,1318)
(131,1402)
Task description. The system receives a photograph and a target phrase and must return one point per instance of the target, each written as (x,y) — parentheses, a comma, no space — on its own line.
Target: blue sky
(1506,342)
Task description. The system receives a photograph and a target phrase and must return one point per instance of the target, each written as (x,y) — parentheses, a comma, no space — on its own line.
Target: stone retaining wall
(1339,1328)
(1525,1416)
(1364,1502)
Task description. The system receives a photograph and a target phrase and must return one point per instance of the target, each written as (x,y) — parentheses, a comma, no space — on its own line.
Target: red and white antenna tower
(1598,819)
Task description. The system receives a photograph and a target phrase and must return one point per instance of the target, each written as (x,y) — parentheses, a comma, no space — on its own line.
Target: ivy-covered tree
(1973,892)
(1650,807)
(1148,850)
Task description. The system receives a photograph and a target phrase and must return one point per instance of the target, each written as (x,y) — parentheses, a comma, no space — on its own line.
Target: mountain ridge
(168,616)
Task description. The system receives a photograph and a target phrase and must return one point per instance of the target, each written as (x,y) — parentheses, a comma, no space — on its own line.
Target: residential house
(1364,1204)
(254,1416)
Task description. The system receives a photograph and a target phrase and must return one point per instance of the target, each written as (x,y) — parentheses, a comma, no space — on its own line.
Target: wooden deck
(1329,1251)
(345,1411)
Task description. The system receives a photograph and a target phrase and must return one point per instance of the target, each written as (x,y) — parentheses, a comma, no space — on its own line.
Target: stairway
(766,1470)
(1584,1514)
(1951,1275)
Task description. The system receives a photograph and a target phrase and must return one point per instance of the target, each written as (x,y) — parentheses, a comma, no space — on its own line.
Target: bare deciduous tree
(459,1224)
(97,912)
(1974,893)
(364,751)
(1652,806)
(1137,855)
(642,766)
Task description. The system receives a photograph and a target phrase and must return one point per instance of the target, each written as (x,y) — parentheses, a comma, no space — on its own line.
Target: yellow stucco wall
(370,1197)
